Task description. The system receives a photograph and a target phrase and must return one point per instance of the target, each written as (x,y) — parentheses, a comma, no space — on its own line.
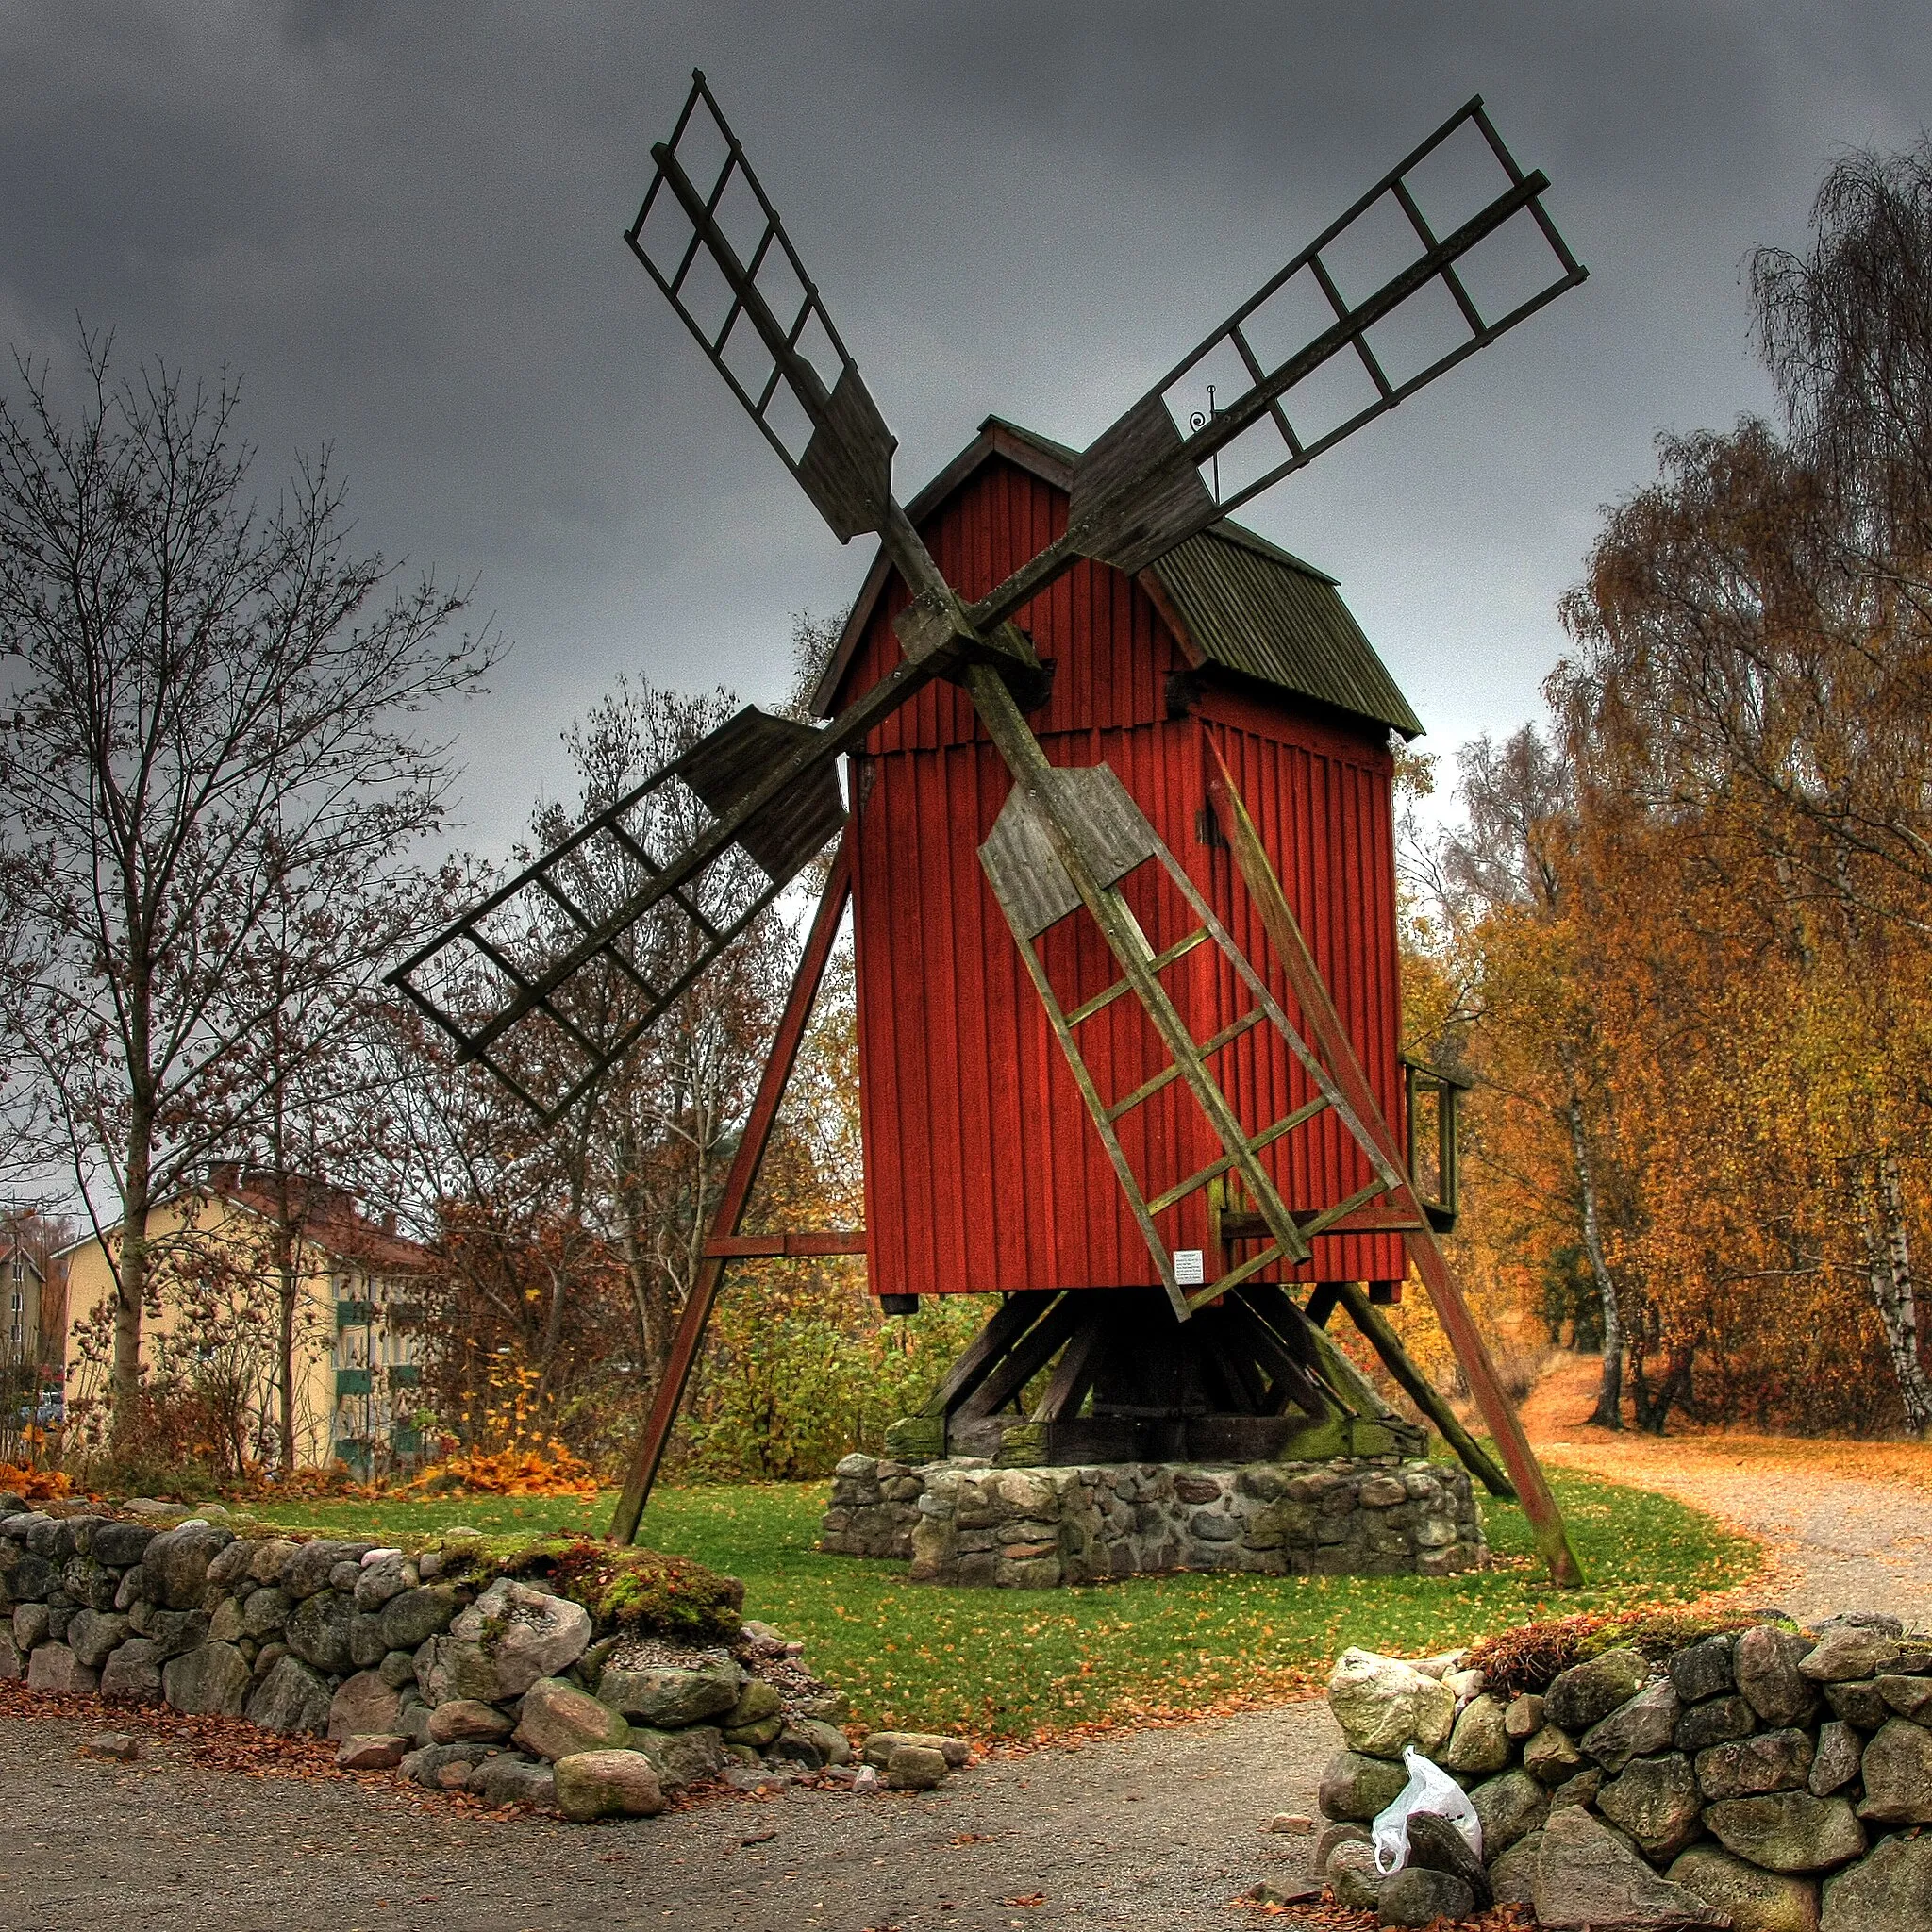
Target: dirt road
(1845,1525)
(1161,1827)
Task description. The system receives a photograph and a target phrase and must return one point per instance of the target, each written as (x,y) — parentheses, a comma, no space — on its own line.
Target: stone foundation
(1768,1777)
(962,1521)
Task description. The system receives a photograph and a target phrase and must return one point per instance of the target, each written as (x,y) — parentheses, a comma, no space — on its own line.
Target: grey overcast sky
(402,225)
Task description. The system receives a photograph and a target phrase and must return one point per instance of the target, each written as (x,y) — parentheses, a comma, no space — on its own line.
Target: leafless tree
(212,702)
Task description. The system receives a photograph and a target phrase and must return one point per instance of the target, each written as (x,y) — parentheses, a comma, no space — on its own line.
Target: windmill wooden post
(1088,1083)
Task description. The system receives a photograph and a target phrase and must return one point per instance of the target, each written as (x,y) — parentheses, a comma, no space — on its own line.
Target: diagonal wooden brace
(737,1192)
(1331,1037)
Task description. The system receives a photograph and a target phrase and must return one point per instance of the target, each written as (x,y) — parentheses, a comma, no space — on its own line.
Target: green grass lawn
(1010,1663)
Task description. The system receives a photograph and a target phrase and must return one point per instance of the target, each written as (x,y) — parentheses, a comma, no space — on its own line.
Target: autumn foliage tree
(1694,921)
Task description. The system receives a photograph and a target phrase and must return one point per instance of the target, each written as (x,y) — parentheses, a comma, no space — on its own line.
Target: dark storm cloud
(402,226)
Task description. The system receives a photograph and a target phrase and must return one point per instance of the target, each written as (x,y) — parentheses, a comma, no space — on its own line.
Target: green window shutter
(404,1375)
(406,1439)
(354,1382)
(355,1314)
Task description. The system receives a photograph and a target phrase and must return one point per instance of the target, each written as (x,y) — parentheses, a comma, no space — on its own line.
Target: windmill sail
(1141,488)
(763,326)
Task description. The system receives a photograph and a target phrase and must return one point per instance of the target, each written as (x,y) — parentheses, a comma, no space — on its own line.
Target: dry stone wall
(1769,1781)
(465,1681)
(963,1520)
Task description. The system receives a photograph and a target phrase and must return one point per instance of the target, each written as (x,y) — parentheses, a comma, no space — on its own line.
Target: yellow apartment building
(357,1329)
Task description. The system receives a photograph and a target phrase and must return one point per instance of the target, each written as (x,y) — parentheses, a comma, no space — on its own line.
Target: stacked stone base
(1771,1780)
(962,1521)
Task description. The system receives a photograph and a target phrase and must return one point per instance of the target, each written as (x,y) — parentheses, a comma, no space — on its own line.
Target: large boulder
(1510,1807)
(1656,1801)
(1418,1896)
(209,1681)
(1721,1721)
(1383,1704)
(606,1784)
(364,1706)
(687,1757)
(1352,1786)
(265,1612)
(511,1636)
(1588,1880)
(557,1720)
(176,1563)
(409,1621)
(92,1636)
(1703,1669)
(291,1699)
(172,1632)
(507,1780)
(1787,1831)
(463,1720)
(669,1698)
(132,1673)
(1758,1901)
(319,1632)
(1890,1889)
(1439,1846)
(1897,1770)
(1766,1664)
(1587,1693)
(1479,1744)
(1639,1728)
(122,1545)
(1840,1751)
(1849,1651)
(1772,1762)
(54,1670)
(309,1567)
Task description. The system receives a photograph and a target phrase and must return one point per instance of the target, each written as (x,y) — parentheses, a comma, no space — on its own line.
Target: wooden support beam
(988,1348)
(745,1247)
(1422,1392)
(1331,1039)
(744,1171)
(1025,1359)
(1073,1373)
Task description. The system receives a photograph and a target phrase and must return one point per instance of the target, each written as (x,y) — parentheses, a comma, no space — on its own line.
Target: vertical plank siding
(982,1170)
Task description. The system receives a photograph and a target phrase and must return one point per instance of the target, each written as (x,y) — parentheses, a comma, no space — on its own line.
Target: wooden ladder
(1064,840)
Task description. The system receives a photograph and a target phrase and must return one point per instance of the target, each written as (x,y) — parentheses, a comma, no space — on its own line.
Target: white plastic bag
(1430,1789)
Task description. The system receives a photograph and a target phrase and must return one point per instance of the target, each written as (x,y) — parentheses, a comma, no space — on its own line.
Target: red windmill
(1100,742)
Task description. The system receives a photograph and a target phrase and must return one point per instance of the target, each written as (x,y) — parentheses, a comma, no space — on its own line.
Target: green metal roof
(1253,609)
(1245,603)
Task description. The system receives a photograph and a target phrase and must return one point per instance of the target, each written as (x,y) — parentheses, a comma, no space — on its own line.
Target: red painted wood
(982,1170)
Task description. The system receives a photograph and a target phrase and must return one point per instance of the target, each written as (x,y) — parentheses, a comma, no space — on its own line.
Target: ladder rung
(1159,963)
(1235,1276)
(1148,1089)
(1328,1216)
(1215,1169)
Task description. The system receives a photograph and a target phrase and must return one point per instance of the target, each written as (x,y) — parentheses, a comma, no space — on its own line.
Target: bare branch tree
(210,701)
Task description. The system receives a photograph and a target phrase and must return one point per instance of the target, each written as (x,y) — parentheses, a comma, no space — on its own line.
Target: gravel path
(1157,1828)
(1834,1539)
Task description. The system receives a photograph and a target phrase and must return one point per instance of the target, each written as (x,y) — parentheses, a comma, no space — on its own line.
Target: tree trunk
(287,1288)
(131,1275)
(1608,1412)
(1889,1274)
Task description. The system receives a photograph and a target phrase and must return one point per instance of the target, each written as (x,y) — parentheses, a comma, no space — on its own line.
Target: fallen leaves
(34,1485)
(1026,1898)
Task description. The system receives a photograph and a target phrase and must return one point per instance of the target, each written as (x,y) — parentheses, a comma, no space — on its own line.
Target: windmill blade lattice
(724,261)
(556,976)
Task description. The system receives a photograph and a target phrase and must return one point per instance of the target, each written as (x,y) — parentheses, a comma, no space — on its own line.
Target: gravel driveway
(1834,1539)
(1157,1828)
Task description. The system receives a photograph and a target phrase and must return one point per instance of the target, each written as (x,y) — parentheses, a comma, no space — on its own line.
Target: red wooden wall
(983,1171)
